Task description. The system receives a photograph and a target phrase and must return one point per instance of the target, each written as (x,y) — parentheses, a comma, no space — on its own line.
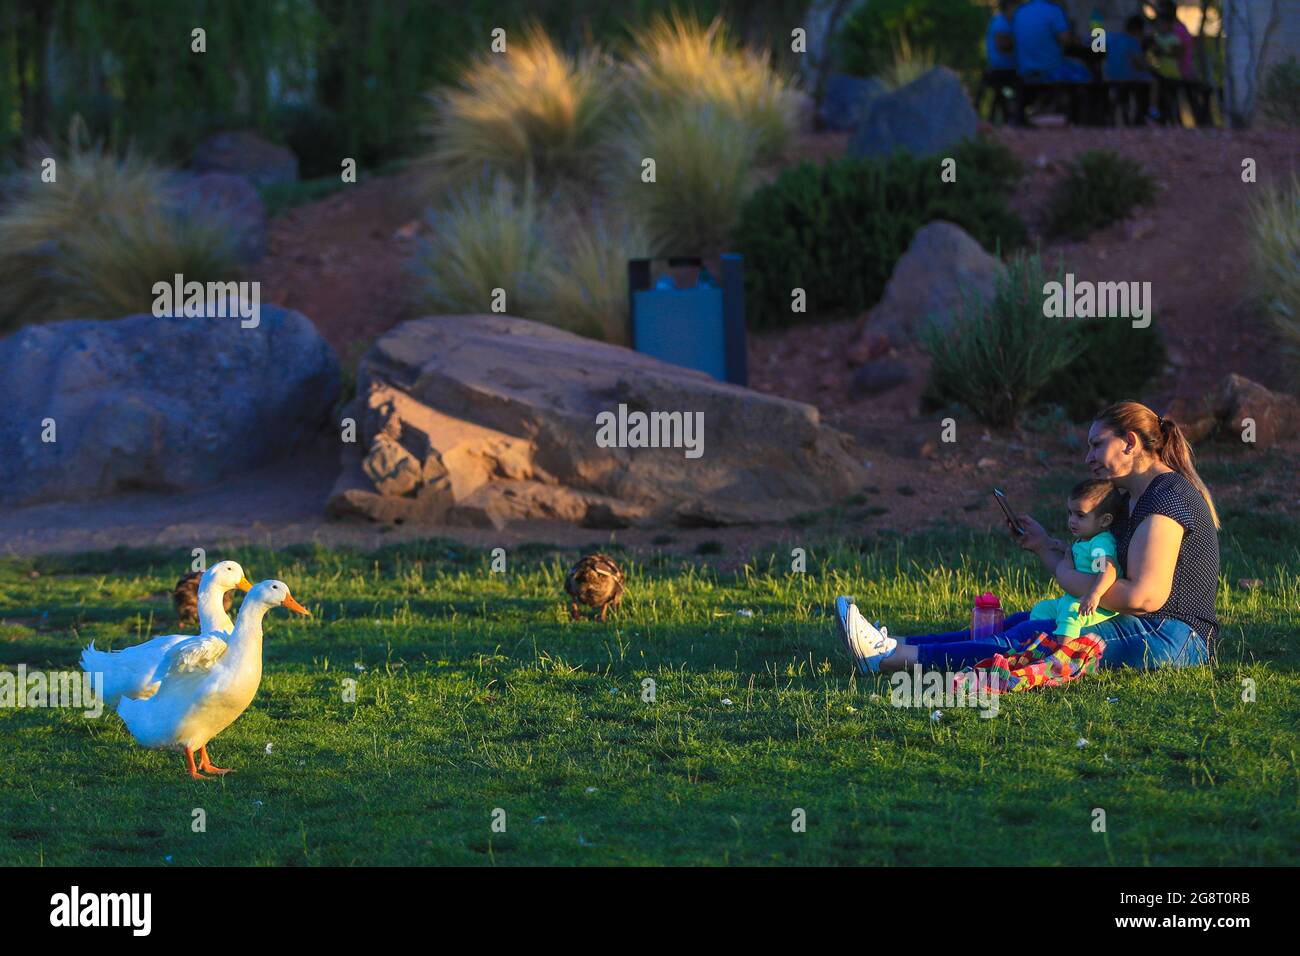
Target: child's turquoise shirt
(1090,557)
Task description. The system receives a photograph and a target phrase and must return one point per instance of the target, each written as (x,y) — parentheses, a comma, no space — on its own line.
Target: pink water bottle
(986,617)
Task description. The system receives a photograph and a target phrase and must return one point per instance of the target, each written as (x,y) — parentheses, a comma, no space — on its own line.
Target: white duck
(204,683)
(129,672)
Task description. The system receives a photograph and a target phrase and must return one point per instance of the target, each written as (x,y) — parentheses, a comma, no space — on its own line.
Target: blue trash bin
(701,327)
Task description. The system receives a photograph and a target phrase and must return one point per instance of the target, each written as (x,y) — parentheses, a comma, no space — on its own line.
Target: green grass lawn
(474,692)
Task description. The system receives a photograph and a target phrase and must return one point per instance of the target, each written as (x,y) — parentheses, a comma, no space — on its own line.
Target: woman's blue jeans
(1130,642)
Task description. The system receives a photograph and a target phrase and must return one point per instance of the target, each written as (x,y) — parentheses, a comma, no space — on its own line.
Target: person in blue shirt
(1001,77)
(999,40)
(1126,63)
(1041,35)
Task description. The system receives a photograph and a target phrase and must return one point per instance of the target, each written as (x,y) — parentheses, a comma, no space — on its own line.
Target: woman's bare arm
(1152,555)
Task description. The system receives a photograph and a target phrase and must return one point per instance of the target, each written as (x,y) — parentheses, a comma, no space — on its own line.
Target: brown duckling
(596,581)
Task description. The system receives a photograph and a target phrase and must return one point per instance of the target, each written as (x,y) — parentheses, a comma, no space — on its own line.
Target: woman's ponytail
(1176,452)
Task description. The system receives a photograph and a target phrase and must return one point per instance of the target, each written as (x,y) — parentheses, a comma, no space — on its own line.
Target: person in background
(1167,21)
(1042,34)
(1190,85)
(999,40)
(1165,55)
(1166,51)
(999,49)
(1126,63)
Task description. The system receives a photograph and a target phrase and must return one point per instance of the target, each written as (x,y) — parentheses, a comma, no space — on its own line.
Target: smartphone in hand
(1001,499)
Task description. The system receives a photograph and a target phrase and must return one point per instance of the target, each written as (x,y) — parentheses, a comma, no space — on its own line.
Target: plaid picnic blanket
(1042,662)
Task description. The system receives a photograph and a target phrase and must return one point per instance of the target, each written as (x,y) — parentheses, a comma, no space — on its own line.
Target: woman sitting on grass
(1168,549)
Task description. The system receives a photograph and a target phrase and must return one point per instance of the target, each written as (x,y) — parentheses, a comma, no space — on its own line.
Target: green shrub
(952,30)
(996,357)
(703,159)
(485,237)
(992,363)
(1280,98)
(92,243)
(1100,188)
(529,112)
(1113,360)
(1275,252)
(996,167)
(837,230)
(677,61)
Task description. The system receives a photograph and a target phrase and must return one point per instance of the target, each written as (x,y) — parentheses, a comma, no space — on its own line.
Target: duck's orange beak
(294,606)
(244,584)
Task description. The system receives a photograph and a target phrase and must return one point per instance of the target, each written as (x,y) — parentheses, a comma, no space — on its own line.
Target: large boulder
(231,197)
(156,403)
(483,419)
(845,100)
(925,117)
(942,271)
(246,154)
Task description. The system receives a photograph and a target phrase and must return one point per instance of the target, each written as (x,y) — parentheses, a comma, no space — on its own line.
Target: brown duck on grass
(595,581)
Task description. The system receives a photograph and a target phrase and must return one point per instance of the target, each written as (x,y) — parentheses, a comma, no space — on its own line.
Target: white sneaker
(867,645)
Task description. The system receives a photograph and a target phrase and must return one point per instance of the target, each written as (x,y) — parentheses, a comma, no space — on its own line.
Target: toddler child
(1094,507)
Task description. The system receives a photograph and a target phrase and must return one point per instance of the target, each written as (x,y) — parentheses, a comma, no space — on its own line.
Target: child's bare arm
(1101,583)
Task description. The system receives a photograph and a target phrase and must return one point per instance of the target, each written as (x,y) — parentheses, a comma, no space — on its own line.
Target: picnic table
(1099,102)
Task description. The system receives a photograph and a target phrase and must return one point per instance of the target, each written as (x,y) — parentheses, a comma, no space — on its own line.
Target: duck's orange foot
(207,766)
(189,760)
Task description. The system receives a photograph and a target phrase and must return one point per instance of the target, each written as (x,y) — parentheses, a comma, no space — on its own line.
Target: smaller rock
(879,375)
(246,154)
(1250,584)
(943,270)
(231,197)
(1276,416)
(986,463)
(928,115)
